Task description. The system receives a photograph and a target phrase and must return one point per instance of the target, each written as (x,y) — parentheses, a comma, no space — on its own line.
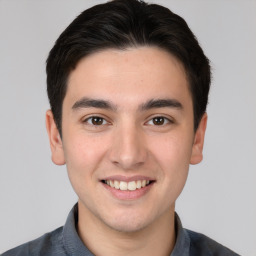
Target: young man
(128,87)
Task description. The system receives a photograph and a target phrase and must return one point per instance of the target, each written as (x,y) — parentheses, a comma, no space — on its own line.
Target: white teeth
(131,185)
(112,184)
(123,185)
(138,184)
(117,184)
(143,183)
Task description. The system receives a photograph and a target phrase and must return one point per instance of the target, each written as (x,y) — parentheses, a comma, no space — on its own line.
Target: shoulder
(203,245)
(49,244)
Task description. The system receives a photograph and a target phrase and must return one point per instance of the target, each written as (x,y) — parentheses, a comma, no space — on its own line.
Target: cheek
(83,154)
(173,156)
(173,150)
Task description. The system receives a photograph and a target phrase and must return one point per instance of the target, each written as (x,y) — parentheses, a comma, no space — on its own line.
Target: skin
(128,141)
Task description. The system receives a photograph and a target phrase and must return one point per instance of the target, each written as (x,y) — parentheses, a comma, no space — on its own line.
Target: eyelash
(95,117)
(166,121)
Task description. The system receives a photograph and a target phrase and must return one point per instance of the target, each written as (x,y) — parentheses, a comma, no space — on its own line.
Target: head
(122,24)
(128,86)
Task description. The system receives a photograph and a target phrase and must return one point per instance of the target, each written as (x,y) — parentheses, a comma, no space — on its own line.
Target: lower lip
(128,194)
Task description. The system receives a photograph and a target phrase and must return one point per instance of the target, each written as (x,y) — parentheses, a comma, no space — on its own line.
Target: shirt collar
(74,246)
(72,242)
(182,243)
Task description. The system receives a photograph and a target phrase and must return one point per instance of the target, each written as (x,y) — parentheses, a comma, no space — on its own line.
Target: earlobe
(54,139)
(197,149)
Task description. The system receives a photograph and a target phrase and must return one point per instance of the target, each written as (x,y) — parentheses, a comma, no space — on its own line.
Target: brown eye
(158,120)
(95,120)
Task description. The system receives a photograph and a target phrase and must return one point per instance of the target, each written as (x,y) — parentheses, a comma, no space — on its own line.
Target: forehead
(134,72)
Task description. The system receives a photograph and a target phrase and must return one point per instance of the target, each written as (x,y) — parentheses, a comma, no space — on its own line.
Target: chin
(127,227)
(128,223)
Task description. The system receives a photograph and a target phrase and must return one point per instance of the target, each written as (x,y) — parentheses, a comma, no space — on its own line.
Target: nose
(128,149)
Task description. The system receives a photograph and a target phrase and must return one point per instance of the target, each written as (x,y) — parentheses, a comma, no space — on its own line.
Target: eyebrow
(94,103)
(104,104)
(160,103)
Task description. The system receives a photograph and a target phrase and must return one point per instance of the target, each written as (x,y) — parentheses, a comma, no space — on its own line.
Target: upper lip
(127,179)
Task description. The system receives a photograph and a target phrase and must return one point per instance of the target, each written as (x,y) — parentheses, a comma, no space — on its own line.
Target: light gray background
(219,199)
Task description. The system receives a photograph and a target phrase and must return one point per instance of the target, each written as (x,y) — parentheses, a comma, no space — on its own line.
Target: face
(127,136)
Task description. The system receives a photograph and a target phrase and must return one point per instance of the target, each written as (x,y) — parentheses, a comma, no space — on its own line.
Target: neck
(156,239)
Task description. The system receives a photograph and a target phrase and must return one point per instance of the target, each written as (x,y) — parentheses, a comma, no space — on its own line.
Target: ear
(197,149)
(55,139)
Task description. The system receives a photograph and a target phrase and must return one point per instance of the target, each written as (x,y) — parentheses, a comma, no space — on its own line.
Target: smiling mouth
(131,185)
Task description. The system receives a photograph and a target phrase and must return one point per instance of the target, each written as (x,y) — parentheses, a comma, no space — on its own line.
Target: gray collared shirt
(65,241)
